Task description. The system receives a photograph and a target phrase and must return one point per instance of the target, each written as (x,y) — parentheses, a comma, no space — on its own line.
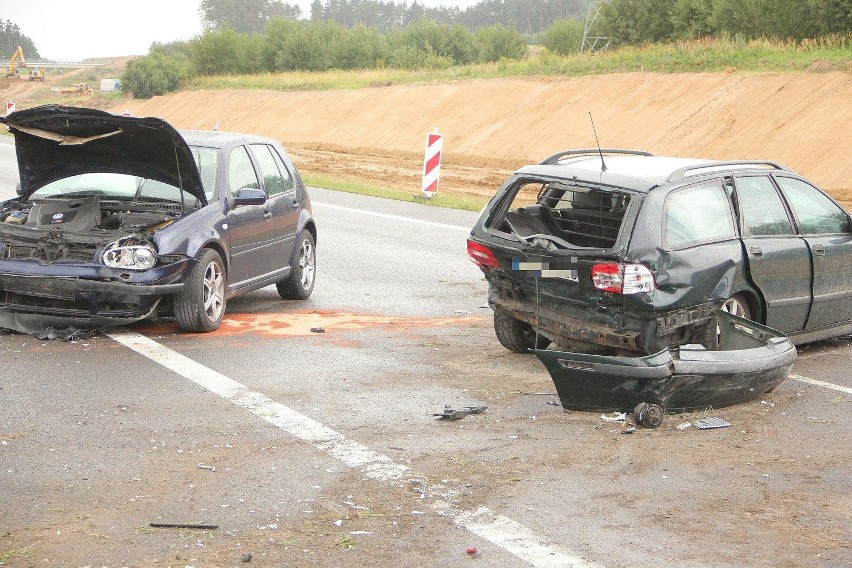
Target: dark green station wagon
(621,254)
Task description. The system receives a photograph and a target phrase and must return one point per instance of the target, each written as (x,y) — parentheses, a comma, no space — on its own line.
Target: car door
(825,226)
(249,226)
(778,260)
(282,203)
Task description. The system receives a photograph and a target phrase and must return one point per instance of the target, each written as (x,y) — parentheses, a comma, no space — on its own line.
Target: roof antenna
(603,164)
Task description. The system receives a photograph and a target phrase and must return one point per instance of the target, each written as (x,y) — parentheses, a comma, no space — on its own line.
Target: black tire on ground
(201,304)
(300,283)
(737,305)
(516,335)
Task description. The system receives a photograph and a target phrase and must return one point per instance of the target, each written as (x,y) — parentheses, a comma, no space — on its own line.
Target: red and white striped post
(432,163)
(10,107)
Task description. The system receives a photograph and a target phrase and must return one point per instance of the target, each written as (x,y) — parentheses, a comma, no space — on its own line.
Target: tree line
(11,37)
(523,16)
(632,22)
(297,45)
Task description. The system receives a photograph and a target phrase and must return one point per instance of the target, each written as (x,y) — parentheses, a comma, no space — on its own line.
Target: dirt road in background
(493,126)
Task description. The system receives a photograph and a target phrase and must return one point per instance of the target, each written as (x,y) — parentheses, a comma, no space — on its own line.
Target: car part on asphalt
(751,361)
(454,414)
(648,415)
(711,423)
(120,219)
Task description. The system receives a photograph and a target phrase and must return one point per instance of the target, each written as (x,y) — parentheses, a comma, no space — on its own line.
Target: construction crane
(13,62)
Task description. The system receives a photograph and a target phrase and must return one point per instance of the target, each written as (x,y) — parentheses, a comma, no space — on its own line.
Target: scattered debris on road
(711,423)
(183,526)
(456,414)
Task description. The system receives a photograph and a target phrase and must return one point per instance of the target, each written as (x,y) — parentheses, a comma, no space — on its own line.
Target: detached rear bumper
(752,360)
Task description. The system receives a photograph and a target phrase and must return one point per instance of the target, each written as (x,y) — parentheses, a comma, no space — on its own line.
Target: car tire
(516,335)
(736,305)
(201,305)
(300,283)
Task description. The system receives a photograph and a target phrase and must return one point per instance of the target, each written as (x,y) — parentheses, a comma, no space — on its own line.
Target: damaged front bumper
(752,360)
(82,296)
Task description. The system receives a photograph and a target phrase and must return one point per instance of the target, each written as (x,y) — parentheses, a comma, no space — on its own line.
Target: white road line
(394,217)
(497,529)
(823,384)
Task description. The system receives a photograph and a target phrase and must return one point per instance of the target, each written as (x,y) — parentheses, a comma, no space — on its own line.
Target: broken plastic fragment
(710,423)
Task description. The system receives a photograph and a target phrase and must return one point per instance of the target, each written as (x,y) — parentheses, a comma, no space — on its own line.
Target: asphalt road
(320,449)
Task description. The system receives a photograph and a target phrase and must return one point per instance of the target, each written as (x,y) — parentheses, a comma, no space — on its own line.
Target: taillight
(481,254)
(623,278)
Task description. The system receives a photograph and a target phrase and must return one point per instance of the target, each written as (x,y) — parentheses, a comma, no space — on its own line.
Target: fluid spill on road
(302,323)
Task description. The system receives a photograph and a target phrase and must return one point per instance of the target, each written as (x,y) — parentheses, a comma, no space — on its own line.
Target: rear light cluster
(481,254)
(619,278)
(623,278)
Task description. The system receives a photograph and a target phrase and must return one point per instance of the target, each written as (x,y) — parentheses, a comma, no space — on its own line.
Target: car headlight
(130,257)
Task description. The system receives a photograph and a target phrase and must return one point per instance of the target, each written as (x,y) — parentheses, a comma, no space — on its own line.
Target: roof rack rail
(681,173)
(554,159)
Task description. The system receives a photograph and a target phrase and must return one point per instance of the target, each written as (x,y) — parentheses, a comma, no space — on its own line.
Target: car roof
(637,172)
(218,139)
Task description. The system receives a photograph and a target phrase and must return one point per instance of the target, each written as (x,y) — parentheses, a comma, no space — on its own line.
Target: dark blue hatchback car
(120,219)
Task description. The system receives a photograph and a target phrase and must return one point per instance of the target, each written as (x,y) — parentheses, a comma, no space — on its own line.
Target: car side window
(695,214)
(761,209)
(285,171)
(272,179)
(814,211)
(241,171)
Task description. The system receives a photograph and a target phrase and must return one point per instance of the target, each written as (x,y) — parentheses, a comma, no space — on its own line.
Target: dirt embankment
(491,127)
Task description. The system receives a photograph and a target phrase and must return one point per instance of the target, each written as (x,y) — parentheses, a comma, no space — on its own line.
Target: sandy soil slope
(493,126)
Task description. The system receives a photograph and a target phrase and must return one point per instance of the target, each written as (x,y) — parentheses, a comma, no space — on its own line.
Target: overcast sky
(71,30)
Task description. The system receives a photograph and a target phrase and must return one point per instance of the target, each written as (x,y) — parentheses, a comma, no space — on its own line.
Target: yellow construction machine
(36,74)
(76,89)
(12,71)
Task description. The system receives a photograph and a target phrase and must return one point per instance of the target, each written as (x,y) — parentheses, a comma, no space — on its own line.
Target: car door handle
(818,250)
(267,215)
(756,252)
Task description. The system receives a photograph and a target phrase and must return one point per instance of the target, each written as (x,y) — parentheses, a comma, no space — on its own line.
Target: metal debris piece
(183,526)
(317,330)
(66,334)
(709,423)
(648,415)
(207,467)
(457,413)
(614,417)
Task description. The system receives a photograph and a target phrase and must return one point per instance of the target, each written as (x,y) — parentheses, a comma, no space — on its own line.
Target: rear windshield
(563,215)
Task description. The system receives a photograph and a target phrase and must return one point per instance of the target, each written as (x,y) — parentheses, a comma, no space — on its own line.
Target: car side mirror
(250,196)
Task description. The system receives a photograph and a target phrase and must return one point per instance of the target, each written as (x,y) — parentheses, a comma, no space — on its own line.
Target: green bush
(497,42)
(359,48)
(153,75)
(564,37)
(226,52)
(433,43)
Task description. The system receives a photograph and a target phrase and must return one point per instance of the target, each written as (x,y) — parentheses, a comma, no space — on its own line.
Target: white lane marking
(394,217)
(823,384)
(497,529)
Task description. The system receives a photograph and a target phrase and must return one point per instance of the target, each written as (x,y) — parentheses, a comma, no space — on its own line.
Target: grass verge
(440,200)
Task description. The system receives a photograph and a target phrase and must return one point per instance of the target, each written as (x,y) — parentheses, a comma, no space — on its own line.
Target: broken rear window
(565,215)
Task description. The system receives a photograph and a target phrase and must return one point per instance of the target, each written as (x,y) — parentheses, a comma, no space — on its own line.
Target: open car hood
(54,142)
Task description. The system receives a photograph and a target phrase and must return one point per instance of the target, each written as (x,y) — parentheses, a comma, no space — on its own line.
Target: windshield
(113,186)
(134,188)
